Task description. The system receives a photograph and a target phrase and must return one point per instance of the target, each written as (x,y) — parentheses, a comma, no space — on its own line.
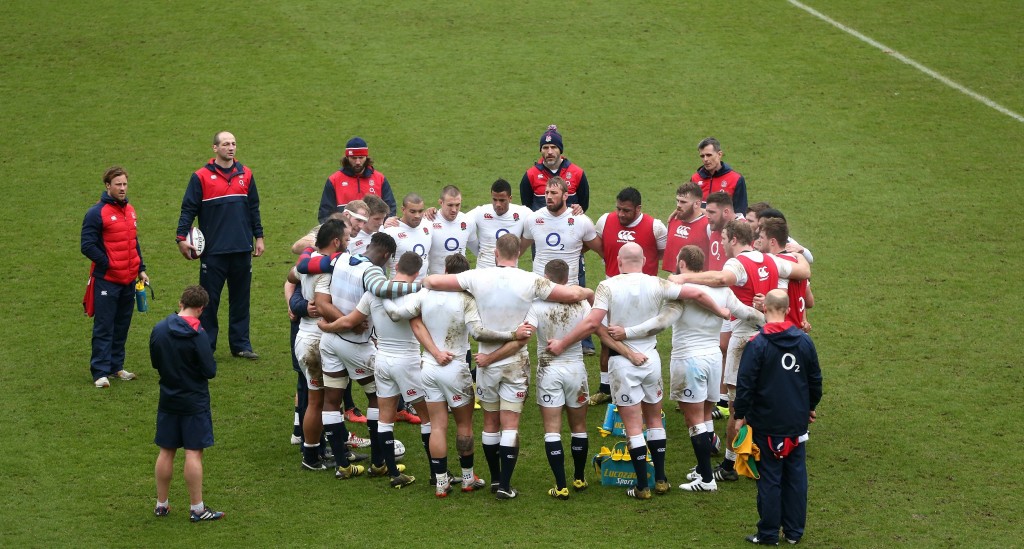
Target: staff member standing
(109,239)
(223,195)
(777,390)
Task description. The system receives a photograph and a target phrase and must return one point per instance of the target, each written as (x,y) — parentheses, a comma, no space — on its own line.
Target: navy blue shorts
(193,432)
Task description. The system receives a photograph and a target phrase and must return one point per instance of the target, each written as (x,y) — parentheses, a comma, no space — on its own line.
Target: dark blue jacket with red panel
(109,239)
(344,186)
(180,351)
(779,381)
(727,180)
(535,181)
(228,207)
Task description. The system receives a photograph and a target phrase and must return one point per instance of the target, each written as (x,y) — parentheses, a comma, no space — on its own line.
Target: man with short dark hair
(496,219)
(223,195)
(355,179)
(773,233)
(777,390)
(181,353)
(717,176)
(110,241)
(411,234)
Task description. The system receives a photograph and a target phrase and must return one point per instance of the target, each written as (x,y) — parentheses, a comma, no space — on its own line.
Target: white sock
(730,455)
(425,428)
(508,437)
(161,503)
(198,508)
(467,475)
(604,378)
(296,420)
(709,426)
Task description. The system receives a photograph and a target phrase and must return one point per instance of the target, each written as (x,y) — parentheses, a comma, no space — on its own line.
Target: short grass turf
(904,189)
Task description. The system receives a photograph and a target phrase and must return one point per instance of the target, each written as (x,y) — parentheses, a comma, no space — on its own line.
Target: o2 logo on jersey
(479,391)
(554,240)
(627,236)
(803,305)
(683,231)
(420,250)
(451,244)
(789,363)
(716,248)
(546,398)
(687,393)
(500,233)
(762,273)
(625,398)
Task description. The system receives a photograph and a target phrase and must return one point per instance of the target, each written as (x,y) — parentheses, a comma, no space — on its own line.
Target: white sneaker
(102,383)
(699,486)
(357,441)
(296,440)
(125,375)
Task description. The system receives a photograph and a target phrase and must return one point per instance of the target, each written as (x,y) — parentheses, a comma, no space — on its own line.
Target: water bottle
(140,297)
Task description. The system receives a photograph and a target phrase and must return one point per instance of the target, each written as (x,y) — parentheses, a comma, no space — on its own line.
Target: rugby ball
(195,238)
(399,450)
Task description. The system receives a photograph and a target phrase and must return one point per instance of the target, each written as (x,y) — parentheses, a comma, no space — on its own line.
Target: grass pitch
(904,189)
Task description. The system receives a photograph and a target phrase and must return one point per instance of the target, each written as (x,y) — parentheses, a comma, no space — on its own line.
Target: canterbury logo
(762,272)
(627,236)
(683,231)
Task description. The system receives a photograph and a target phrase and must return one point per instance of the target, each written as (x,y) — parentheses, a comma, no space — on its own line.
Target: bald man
(777,391)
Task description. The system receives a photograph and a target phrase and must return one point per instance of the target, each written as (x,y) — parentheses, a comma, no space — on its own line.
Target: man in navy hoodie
(180,351)
(777,390)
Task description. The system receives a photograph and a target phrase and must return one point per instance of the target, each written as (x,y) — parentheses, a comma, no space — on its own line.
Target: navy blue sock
(556,459)
(493,461)
(639,458)
(657,448)
(509,456)
(387,446)
(579,448)
(376,456)
(337,436)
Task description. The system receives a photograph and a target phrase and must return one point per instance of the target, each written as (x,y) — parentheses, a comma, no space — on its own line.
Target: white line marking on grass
(904,59)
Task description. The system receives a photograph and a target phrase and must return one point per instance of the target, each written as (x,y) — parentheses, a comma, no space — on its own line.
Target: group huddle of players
(391,302)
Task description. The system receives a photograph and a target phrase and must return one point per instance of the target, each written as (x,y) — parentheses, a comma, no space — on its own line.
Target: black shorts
(193,432)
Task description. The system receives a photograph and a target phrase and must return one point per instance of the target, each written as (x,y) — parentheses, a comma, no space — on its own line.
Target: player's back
(347,289)
(503,296)
(632,298)
(697,330)
(555,321)
(393,337)
(444,315)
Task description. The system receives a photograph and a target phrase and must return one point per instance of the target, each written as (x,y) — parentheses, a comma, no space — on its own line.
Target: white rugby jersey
(394,338)
(310,283)
(411,239)
(358,244)
(555,321)
(490,226)
(503,297)
(632,298)
(346,289)
(449,237)
(558,237)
